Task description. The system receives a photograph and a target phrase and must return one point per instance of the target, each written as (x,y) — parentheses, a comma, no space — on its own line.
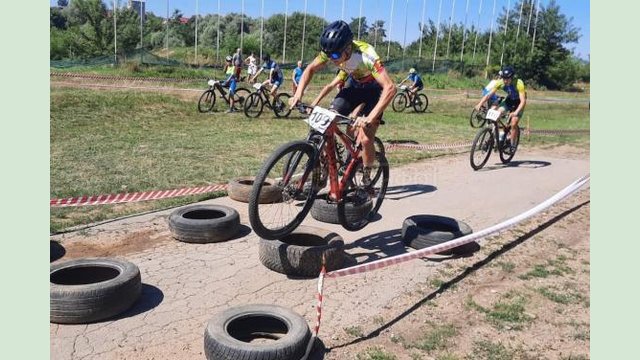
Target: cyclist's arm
(523,102)
(257,73)
(307,75)
(325,90)
(485,98)
(388,92)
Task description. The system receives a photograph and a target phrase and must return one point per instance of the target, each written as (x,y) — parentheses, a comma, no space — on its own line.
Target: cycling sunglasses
(335,55)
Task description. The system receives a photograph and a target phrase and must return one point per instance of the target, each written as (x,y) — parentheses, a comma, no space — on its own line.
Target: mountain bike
(493,137)
(297,168)
(403,100)
(478,117)
(256,102)
(208,97)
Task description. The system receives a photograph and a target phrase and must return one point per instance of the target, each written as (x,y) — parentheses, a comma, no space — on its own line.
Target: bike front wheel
(359,192)
(478,118)
(508,148)
(240,96)
(293,167)
(481,148)
(420,103)
(281,105)
(253,105)
(399,102)
(206,101)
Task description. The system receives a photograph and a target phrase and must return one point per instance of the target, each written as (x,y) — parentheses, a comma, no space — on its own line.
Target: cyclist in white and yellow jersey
(370,83)
(515,100)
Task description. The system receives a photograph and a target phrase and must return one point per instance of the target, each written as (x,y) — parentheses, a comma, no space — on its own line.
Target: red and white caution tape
(379,264)
(133,197)
(454,145)
(316,328)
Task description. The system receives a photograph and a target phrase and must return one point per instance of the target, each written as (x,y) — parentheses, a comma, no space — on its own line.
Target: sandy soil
(524,294)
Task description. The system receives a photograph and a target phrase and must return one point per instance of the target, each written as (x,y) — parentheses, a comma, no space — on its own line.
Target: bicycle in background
(208,98)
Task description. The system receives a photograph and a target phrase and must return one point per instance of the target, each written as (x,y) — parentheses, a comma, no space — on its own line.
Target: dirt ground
(523,295)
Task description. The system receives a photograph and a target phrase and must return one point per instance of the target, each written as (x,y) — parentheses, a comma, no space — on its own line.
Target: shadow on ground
(525,164)
(404,191)
(468,271)
(56,251)
(150,297)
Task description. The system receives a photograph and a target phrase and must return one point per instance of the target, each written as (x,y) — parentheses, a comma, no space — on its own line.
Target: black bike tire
(254,215)
(393,103)
(286,104)
(473,119)
(205,96)
(342,208)
(480,135)
(426,103)
(379,147)
(506,158)
(249,103)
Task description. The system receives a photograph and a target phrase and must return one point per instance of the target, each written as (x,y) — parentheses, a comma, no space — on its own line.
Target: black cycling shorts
(350,97)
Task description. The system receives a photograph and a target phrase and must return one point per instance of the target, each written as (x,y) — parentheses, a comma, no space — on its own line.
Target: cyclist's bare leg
(514,123)
(366,138)
(353,114)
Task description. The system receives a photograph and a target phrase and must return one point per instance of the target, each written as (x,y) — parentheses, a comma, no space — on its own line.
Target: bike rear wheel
(281,105)
(420,103)
(478,118)
(206,101)
(508,149)
(253,105)
(359,193)
(481,148)
(293,166)
(399,102)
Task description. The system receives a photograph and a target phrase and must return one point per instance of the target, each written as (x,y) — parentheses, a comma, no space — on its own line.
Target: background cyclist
(275,77)
(230,72)
(515,101)
(370,83)
(416,84)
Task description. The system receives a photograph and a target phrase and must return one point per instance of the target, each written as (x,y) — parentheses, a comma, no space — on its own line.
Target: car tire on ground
(87,290)
(327,211)
(300,253)
(239,189)
(256,332)
(204,223)
(422,231)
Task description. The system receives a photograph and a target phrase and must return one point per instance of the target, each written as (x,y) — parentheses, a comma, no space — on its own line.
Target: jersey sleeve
(520,86)
(322,57)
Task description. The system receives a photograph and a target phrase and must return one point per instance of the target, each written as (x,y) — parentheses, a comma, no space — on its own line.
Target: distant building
(139,7)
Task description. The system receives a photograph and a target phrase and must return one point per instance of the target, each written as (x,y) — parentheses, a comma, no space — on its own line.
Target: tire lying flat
(204,223)
(92,289)
(300,253)
(422,231)
(327,211)
(256,332)
(240,189)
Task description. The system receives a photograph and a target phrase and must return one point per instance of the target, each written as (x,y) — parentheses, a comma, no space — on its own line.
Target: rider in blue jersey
(416,84)
(275,77)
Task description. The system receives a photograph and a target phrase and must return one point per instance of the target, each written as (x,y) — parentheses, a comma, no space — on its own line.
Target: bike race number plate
(320,119)
(257,85)
(493,114)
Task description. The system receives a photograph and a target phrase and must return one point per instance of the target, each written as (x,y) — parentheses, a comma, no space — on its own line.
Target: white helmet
(412,71)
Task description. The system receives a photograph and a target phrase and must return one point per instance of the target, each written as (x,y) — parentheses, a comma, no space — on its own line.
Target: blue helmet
(335,37)
(507,72)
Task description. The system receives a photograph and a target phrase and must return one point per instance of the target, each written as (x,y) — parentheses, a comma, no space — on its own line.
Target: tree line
(85,29)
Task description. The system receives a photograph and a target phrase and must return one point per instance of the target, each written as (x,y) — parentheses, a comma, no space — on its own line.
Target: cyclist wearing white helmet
(516,98)
(230,72)
(416,84)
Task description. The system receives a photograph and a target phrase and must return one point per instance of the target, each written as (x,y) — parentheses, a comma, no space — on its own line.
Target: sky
(579,10)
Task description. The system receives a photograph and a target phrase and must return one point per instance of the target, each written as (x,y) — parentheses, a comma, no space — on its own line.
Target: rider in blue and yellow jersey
(369,83)
(275,77)
(515,100)
(230,72)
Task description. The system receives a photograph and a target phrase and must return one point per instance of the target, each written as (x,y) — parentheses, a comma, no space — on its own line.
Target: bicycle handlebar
(306,109)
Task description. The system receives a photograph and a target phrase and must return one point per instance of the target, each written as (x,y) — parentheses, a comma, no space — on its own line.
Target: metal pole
(261,26)
(390,26)
(519,21)
(464,27)
(284,43)
(504,35)
(530,13)
(359,19)
(141,30)
(115,33)
(197,14)
(324,10)
(404,39)
(453,6)
(166,43)
(435,48)
(342,10)
(475,42)
(535,25)
(304,27)
(242,24)
(218,37)
(493,16)
(421,30)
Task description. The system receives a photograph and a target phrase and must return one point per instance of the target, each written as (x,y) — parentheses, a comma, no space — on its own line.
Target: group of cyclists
(364,87)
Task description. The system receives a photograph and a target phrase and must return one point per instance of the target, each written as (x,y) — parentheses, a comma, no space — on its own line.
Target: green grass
(488,350)
(437,338)
(556,267)
(507,313)
(108,141)
(355,331)
(562,296)
(375,353)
